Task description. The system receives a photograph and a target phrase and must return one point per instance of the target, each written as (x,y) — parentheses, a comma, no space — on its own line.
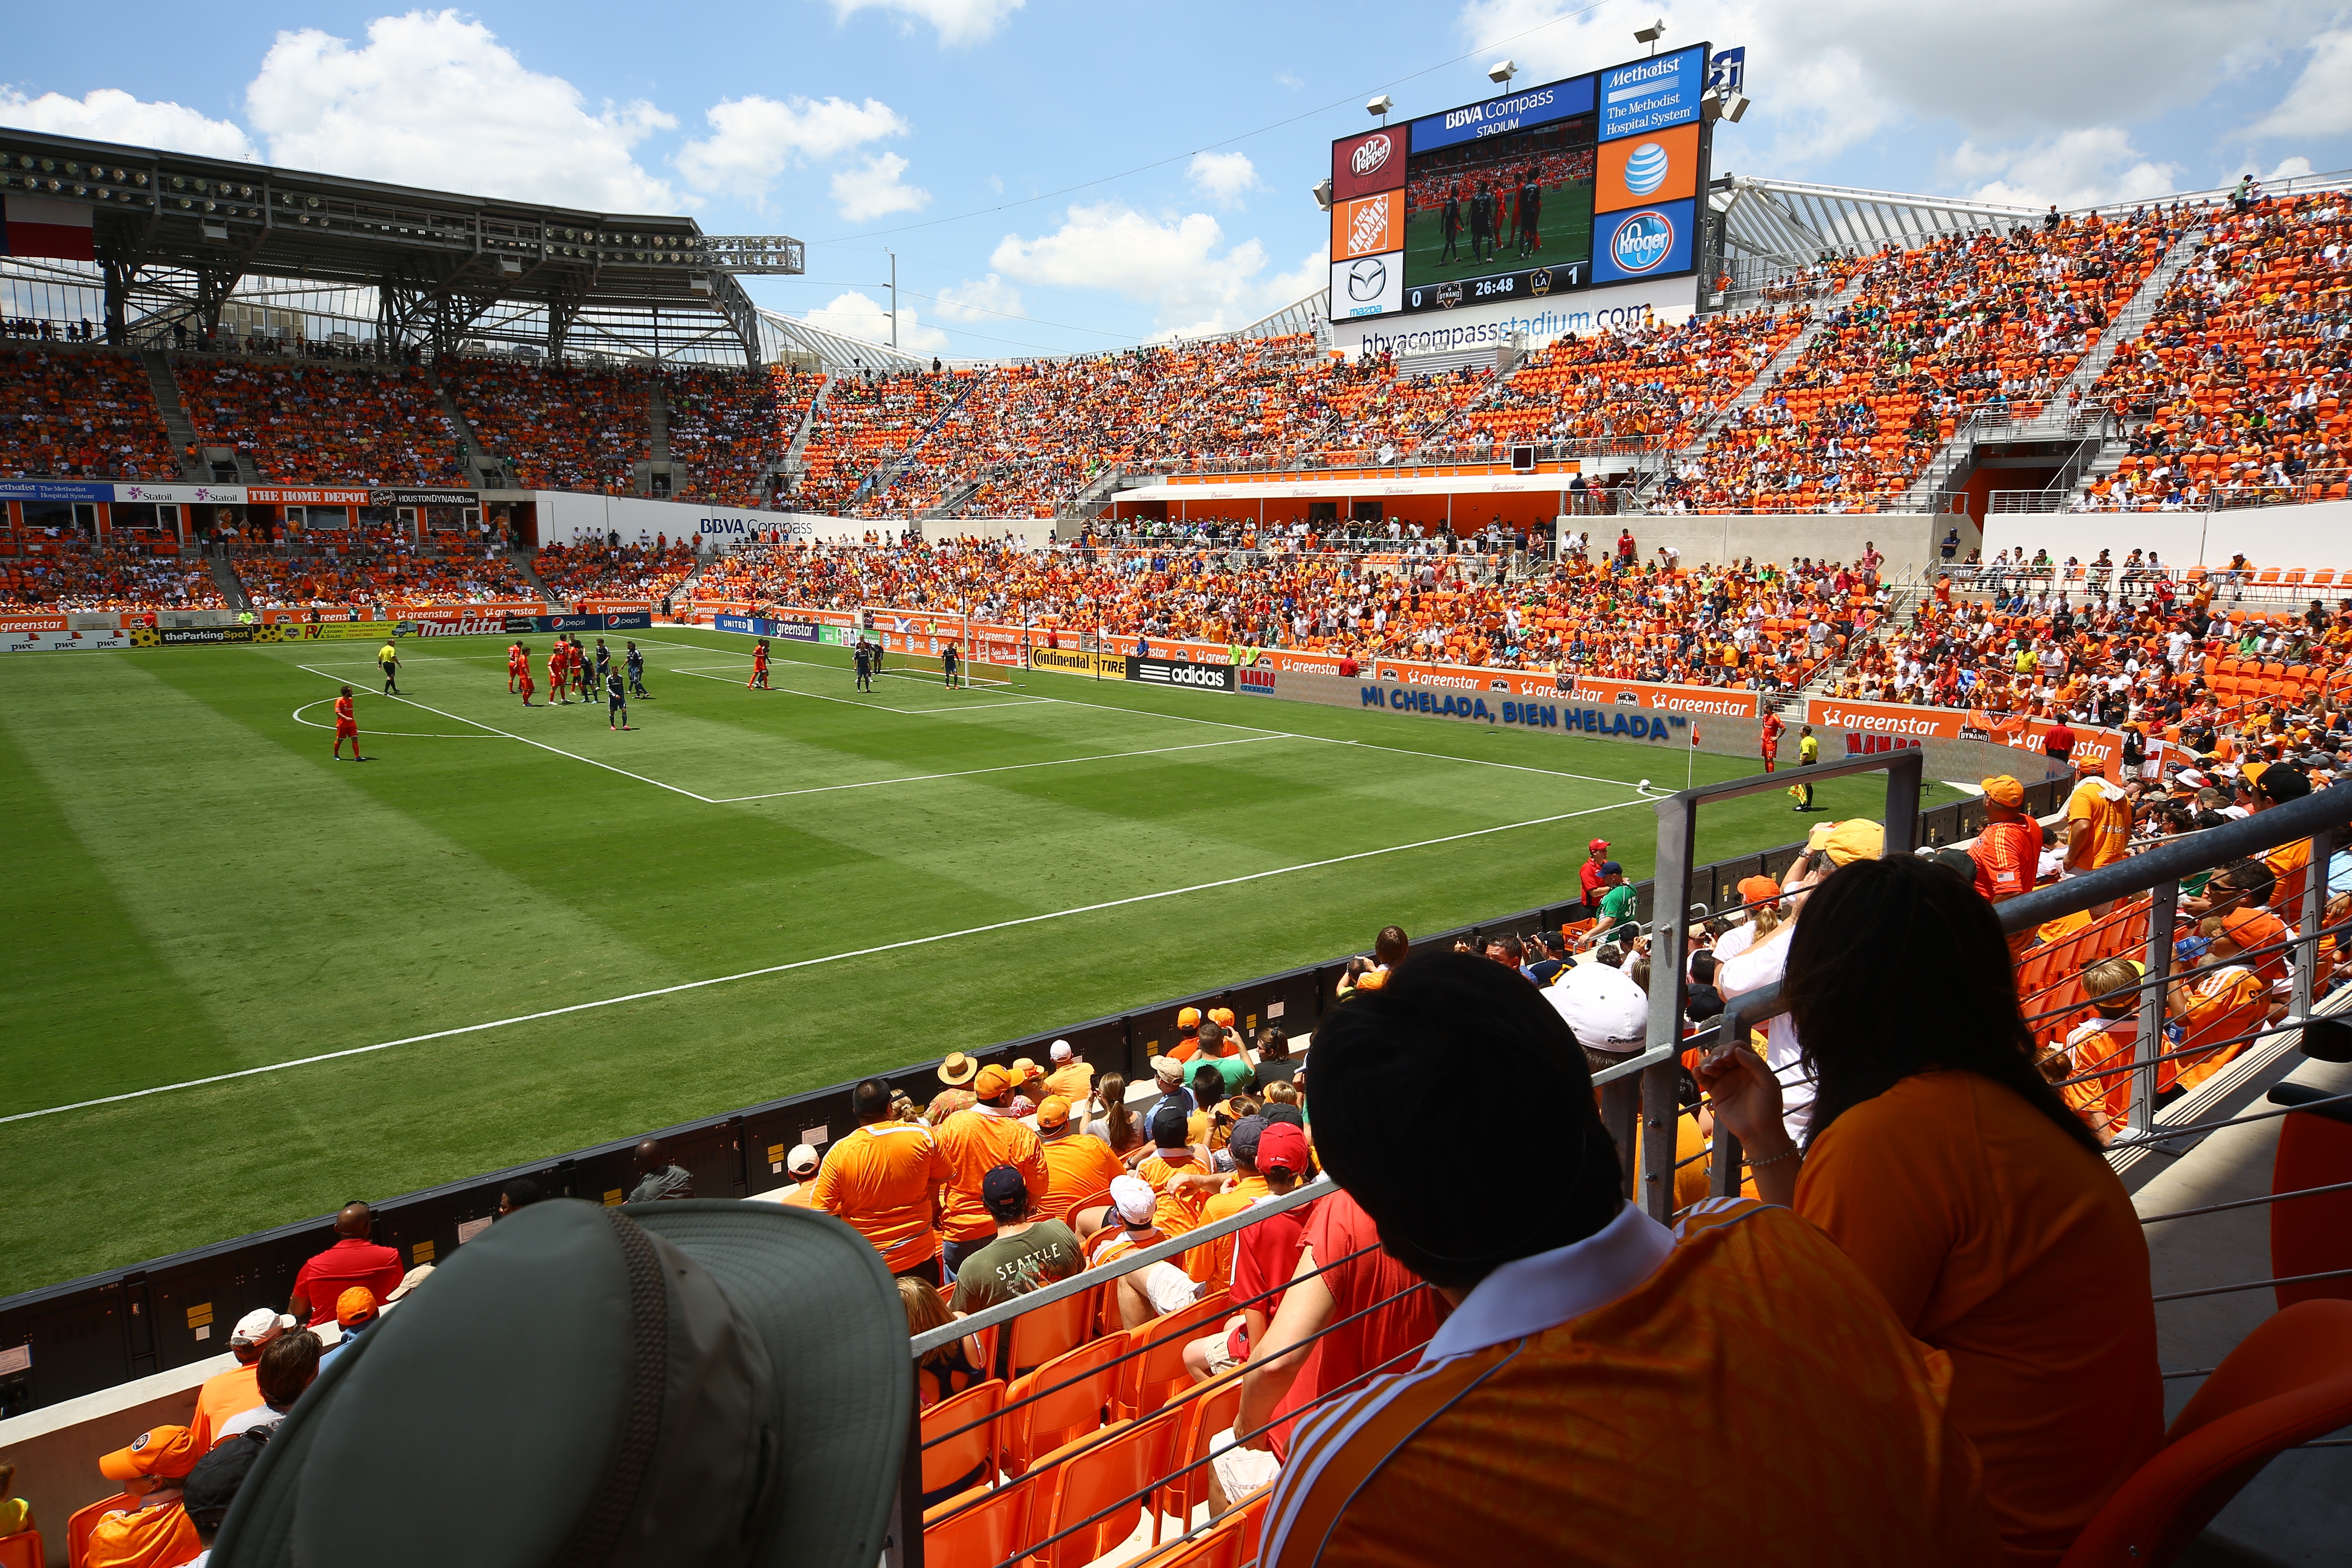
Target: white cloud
(1827,73)
(1223,178)
(434,99)
(2320,102)
(959,22)
(753,138)
(988,299)
(111,114)
(871,188)
(2089,167)
(1291,79)
(1172,263)
(853,315)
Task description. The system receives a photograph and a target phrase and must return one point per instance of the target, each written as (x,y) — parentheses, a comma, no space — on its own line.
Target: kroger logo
(1368,226)
(1642,241)
(1646,171)
(1372,156)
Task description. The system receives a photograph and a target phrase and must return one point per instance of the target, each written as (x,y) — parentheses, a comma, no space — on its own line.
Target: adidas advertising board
(1166,672)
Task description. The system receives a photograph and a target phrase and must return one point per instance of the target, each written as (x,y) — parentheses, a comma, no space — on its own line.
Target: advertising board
(1187,677)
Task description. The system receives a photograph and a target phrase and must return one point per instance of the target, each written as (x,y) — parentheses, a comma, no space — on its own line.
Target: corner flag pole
(1690,763)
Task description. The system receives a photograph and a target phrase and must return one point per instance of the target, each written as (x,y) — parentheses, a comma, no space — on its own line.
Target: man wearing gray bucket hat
(713,1383)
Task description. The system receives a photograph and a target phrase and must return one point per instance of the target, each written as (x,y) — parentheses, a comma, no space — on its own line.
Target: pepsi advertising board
(1516,200)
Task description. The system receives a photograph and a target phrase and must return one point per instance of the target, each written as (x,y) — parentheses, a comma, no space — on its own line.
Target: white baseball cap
(1060,1051)
(259,1327)
(1603,1006)
(801,1160)
(1134,1199)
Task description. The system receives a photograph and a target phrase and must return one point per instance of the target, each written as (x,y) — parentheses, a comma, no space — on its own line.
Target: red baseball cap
(1282,1147)
(1597,843)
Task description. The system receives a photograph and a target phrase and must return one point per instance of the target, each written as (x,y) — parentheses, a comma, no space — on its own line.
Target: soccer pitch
(514,932)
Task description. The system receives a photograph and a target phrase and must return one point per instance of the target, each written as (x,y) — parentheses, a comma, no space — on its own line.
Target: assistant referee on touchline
(387,658)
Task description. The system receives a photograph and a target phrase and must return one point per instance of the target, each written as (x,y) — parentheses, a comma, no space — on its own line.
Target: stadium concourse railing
(83,1335)
(1127,1435)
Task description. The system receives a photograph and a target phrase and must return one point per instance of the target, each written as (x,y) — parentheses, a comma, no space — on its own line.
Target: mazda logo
(1372,155)
(1368,280)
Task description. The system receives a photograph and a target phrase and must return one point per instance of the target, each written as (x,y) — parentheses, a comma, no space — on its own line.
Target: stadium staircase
(656,440)
(166,392)
(233,593)
(485,471)
(892,469)
(529,571)
(795,461)
(950,503)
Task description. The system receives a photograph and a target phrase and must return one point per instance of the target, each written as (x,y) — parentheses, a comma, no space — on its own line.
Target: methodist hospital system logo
(1372,156)
(1643,240)
(1368,280)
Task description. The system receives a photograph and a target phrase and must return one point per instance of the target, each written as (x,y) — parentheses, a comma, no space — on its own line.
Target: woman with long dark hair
(1950,1171)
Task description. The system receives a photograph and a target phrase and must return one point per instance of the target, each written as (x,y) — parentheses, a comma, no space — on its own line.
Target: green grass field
(1566,226)
(202,891)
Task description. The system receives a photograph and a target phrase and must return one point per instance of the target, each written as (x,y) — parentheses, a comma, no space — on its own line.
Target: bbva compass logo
(1641,242)
(1372,155)
(1368,280)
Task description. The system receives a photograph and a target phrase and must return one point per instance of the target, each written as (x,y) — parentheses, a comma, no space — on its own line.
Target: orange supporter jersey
(1178,1211)
(1212,1262)
(1079,1167)
(2008,857)
(883,1179)
(976,1141)
(1805,1425)
(158,1536)
(224,1395)
(1116,1242)
(2001,1242)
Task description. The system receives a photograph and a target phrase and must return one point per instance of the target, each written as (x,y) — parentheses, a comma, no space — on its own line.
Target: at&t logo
(1646,171)
(1643,242)
(1372,155)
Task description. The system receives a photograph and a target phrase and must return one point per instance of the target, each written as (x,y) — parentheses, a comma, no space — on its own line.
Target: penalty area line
(813,962)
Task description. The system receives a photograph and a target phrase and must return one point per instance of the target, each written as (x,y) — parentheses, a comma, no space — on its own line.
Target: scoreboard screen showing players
(1530,195)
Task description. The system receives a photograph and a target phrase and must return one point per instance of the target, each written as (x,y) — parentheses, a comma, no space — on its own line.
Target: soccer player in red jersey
(347,726)
(559,658)
(516,672)
(759,666)
(520,674)
(1772,727)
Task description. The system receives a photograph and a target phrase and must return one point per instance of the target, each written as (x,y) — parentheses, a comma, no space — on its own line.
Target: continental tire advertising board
(1069,661)
(1186,676)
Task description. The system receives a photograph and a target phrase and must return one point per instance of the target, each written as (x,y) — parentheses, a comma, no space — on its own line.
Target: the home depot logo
(1368,226)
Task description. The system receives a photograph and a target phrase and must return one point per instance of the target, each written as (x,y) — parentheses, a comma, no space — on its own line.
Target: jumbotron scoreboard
(1515,200)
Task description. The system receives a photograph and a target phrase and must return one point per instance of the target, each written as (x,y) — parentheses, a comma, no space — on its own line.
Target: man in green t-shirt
(1027,1255)
(1618,898)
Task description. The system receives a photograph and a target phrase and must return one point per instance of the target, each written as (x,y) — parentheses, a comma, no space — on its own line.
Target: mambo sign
(1629,723)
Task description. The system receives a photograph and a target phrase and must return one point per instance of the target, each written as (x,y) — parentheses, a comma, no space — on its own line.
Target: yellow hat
(958,1068)
(1188,1018)
(2003,790)
(992,1082)
(1053,1113)
(1860,839)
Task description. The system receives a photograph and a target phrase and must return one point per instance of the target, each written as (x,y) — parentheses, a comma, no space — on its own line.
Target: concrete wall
(2316,535)
(1907,539)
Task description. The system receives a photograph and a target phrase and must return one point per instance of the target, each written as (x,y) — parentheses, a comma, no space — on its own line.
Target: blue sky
(1058,177)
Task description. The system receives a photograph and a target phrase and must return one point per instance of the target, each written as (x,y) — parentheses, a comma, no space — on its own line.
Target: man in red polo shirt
(352,1260)
(1596,855)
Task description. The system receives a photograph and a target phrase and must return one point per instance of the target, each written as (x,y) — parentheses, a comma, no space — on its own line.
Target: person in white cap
(232,1392)
(1608,1013)
(1069,1076)
(801,1164)
(1133,1202)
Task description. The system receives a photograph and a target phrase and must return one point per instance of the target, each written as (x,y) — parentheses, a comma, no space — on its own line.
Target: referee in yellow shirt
(387,658)
(1809,752)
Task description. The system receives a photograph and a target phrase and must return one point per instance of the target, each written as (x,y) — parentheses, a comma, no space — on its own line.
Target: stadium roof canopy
(1785,223)
(173,235)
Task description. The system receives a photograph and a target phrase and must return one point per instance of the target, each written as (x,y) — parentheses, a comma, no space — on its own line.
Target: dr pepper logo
(1372,156)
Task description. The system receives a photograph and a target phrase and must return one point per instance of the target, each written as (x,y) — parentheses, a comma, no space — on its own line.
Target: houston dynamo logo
(1641,242)
(1645,170)
(1372,155)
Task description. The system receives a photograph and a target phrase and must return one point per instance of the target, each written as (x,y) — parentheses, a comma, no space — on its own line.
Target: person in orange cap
(1188,1028)
(2008,849)
(155,1533)
(974,1143)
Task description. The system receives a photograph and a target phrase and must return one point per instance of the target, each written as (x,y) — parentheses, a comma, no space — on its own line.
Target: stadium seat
(1148,1379)
(1206,1409)
(1109,1473)
(1037,1336)
(2288,1382)
(23,1549)
(978,1528)
(1231,1541)
(2313,1235)
(84,1519)
(950,1452)
(1074,1390)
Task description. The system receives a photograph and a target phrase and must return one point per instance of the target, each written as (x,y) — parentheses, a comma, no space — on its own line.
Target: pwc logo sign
(1652,241)
(1367,226)
(1363,164)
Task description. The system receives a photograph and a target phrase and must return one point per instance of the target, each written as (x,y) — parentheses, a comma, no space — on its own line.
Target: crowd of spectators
(2234,389)
(558,428)
(1932,335)
(379,571)
(865,423)
(80,414)
(307,423)
(1659,382)
(729,429)
(79,575)
(589,570)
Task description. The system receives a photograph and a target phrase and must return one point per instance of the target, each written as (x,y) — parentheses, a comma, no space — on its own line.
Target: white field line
(828,958)
(404,734)
(1007,768)
(852,701)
